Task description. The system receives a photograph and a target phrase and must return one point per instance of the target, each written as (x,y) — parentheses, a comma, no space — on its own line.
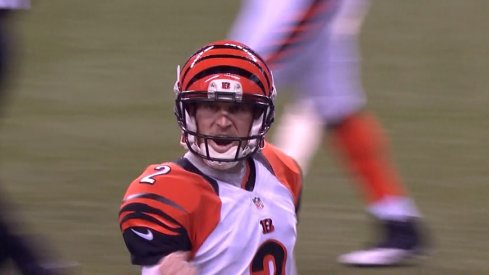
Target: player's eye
(210,106)
(240,108)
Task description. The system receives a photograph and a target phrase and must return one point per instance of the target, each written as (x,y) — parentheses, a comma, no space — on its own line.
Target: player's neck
(233,175)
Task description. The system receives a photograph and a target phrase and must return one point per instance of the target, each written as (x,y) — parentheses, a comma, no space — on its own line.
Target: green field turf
(92,106)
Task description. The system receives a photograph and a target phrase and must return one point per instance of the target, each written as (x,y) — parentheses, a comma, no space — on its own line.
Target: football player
(229,204)
(312,47)
(21,250)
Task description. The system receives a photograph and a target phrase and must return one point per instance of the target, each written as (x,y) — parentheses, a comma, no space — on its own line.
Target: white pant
(322,62)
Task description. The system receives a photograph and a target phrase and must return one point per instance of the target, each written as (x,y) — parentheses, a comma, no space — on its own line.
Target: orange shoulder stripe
(173,197)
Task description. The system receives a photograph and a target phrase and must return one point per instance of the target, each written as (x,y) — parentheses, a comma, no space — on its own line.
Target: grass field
(92,106)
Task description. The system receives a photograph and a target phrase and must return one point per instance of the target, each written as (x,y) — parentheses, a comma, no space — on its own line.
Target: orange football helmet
(226,71)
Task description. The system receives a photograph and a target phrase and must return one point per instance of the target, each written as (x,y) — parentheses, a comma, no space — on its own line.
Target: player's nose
(223,120)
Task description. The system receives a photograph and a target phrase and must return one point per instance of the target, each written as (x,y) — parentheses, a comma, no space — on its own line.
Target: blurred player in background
(311,45)
(229,205)
(26,256)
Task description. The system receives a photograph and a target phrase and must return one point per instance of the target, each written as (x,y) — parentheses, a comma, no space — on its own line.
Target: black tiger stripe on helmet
(225,71)
(227,57)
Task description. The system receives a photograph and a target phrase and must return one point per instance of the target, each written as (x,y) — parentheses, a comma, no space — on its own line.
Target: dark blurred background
(92,106)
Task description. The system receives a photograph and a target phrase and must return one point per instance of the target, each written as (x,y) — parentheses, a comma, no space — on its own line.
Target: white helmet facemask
(198,143)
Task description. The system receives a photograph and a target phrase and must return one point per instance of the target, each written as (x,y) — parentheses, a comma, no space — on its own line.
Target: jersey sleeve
(286,170)
(163,211)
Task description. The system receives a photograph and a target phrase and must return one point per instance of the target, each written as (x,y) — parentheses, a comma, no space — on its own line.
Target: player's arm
(158,212)
(177,263)
(153,218)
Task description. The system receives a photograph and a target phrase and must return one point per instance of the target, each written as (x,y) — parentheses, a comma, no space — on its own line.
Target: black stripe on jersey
(156,198)
(141,210)
(317,17)
(227,70)
(150,251)
(288,42)
(250,183)
(187,165)
(261,158)
(299,202)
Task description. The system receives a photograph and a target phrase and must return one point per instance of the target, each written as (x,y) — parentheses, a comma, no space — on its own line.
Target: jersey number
(269,259)
(160,170)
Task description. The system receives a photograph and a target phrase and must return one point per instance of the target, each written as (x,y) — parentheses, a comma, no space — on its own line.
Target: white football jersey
(257,225)
(228,229)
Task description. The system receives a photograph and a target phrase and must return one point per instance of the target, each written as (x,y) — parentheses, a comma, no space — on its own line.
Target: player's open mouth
(222,142)
(222,145)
